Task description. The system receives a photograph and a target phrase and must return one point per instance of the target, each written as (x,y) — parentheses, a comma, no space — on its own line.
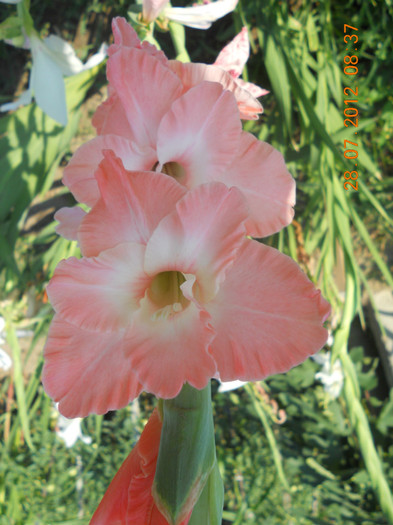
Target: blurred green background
(289,452)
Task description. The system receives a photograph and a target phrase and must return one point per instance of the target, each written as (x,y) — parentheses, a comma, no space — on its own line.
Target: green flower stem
(178,36)
(186,456)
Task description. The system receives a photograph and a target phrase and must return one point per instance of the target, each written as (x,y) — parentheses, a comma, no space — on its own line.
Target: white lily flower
(331,376)
(69,430)
(198,16)
(53,58)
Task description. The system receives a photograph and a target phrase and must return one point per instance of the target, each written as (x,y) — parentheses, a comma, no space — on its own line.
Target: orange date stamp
(351,112)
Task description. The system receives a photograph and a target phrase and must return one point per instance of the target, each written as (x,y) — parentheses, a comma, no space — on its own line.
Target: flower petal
(188,132)
(138,79)
(63,54)
(192,74)
(47,83)
(201,16)
(69,220)
(201,237)
(79,173)
(138,469)
(267,315)
(131,206)
(97,58)
(110,117)
(152,8)
(233,56)
(255,90)
(76,370)
(101,293)
(168,351)
(126,36)
(128,499)
(259,171)
(23,100)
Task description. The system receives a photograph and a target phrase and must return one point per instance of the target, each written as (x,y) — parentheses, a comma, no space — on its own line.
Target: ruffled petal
(168,350)
(188,133)
(100,293)
(69,220)
(110,117)
(233,56)
(79,173)
(138,79)
(126,36)
(259,171)
(267,315)
(255,90)
(76,368)
(192,74)
(201,237)
(131,206)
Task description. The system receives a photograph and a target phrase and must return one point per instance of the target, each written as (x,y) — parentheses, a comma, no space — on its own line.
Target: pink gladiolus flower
(174,130)
(233,58)
(169,291)
(129,500)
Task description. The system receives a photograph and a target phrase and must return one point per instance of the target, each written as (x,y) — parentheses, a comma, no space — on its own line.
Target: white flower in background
(227,386)
(5,359)
(53,58)
(69,430)
(10,1)
(331,376)
(196,16)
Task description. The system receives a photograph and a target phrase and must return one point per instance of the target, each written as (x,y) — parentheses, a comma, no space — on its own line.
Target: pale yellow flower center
(173,169)
(166,295)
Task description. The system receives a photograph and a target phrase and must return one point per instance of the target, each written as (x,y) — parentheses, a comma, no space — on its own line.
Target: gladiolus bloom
(169,291)
(175,131)
(129,500)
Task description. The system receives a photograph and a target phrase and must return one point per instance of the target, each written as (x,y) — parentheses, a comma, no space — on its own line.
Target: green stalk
(178,36)
(250,389)
(357,415)
(186,457)
(19,383)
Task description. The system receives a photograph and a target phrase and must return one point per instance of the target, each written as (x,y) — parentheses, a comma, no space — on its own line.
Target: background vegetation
(288,451)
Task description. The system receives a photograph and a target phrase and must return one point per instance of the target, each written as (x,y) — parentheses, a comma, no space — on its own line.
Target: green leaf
(19,382)
(10,28)
(187,453)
